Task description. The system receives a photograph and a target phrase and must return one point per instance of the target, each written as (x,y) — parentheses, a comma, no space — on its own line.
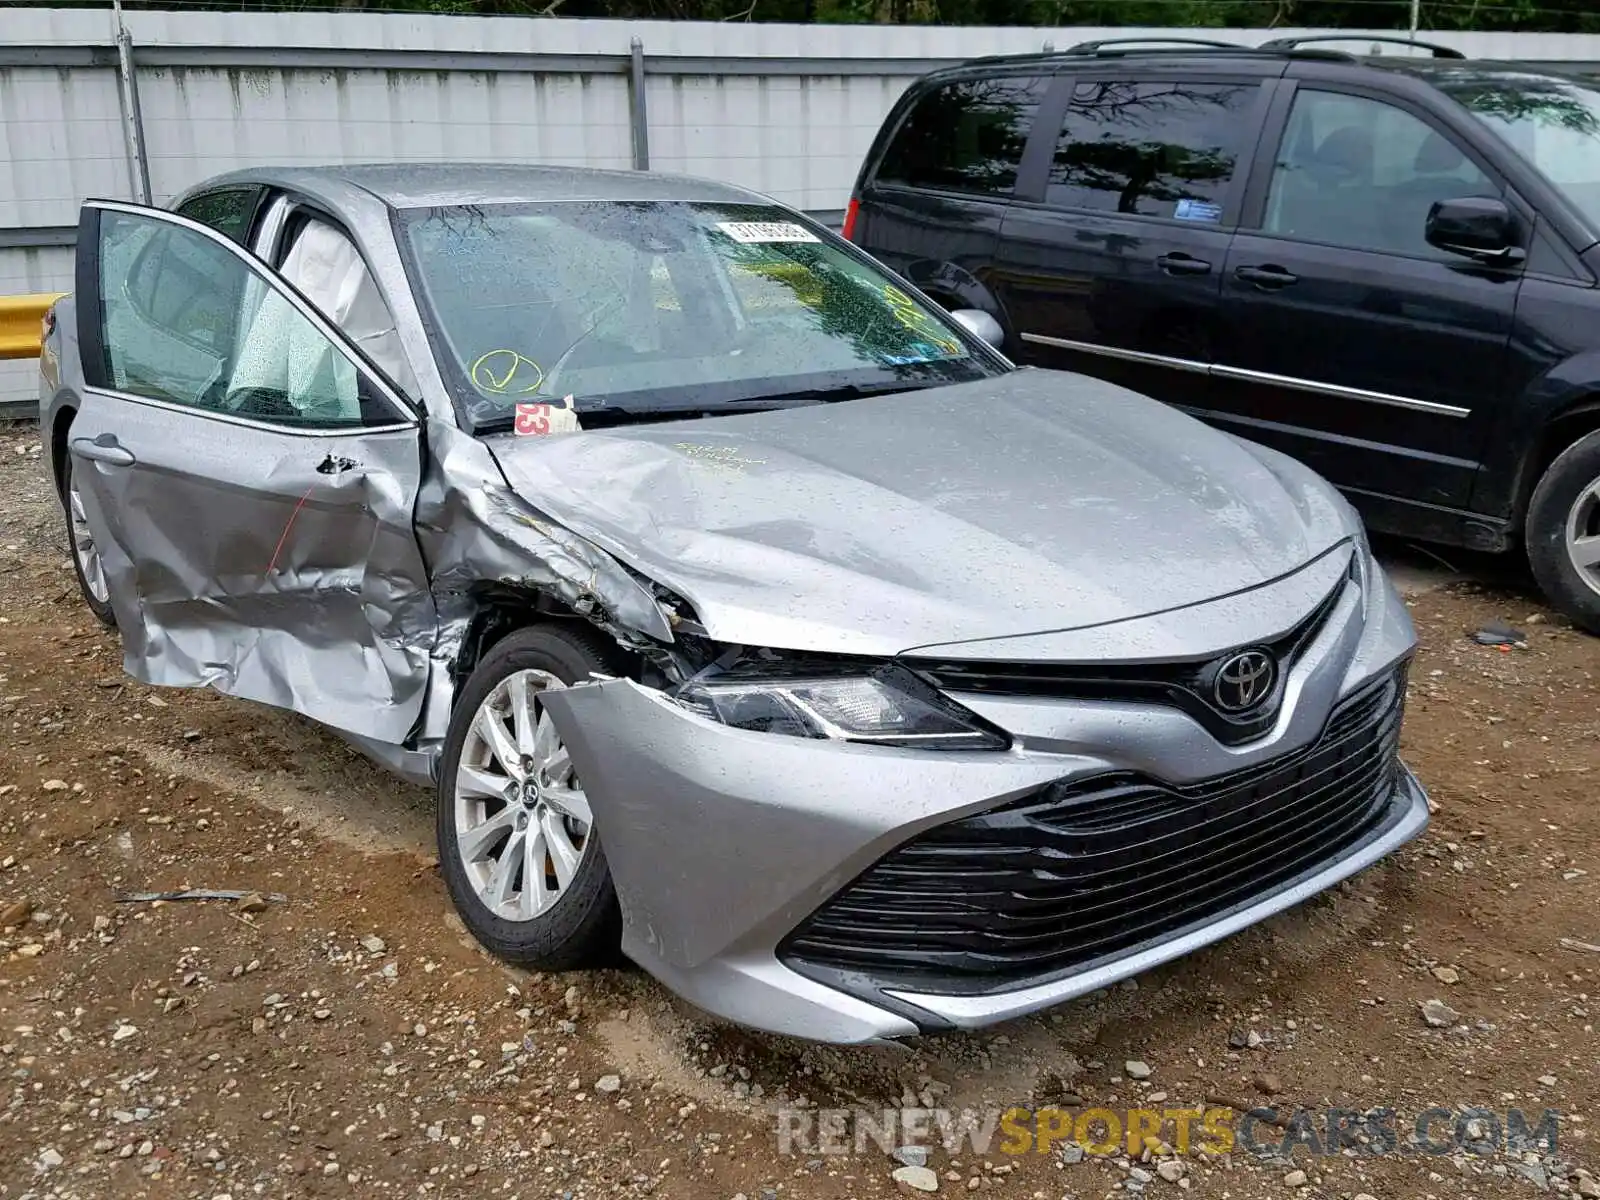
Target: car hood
(1029,502)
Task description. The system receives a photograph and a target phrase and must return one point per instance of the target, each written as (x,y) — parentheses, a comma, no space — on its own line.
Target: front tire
(517,841)
(1563,532)
(87,564)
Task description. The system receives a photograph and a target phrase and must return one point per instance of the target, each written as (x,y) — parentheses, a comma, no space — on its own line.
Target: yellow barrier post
(22,323)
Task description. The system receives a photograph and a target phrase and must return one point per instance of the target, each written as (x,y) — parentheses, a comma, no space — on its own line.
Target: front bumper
(1404,816)
(722,842)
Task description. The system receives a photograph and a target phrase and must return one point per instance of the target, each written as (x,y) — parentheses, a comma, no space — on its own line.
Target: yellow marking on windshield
(500,371)
(910,314)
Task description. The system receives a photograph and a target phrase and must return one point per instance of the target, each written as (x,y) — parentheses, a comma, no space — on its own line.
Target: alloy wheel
(1583,535)
(522,821)
(83,547)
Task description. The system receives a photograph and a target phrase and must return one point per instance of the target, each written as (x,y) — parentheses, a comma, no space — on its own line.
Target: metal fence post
(636,108)
(132,121)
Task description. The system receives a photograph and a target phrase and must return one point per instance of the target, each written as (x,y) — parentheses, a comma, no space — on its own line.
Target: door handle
(105,449)
(1183,264)
(1266,278)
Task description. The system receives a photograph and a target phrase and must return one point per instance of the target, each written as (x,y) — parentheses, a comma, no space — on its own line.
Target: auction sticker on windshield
(752,233)
(540,420)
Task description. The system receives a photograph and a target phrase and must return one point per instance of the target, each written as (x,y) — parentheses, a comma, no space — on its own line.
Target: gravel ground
(338,1034)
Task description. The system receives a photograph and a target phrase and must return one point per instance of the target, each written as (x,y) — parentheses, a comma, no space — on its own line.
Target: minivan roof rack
(1176,47)
(1114,47)
(1294,43)
(1104,43)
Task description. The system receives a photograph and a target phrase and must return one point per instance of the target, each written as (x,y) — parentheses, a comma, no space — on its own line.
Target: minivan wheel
(1563,532)
(87,564)
(518,845)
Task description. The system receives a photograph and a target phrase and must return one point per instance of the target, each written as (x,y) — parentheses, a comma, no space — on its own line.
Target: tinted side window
(1361,173)
(965,137)
(176,281)
(1152,149)
(226,212)
(186,321)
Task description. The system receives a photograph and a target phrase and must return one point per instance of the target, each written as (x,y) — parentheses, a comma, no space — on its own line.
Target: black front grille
(1086,871)
(1184,685)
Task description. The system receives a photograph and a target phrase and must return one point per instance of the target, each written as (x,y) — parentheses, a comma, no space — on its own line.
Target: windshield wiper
(654,410)
(823,395)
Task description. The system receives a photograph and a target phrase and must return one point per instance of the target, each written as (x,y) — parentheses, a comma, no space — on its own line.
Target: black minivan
(1385,266)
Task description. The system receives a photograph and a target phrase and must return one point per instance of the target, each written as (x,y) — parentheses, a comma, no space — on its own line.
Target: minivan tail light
(852,210)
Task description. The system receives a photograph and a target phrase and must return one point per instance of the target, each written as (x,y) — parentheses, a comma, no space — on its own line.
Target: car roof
(437,184)
(1267,61)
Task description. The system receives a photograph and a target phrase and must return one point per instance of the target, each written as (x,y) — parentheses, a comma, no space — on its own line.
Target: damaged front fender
(509,541)
(479,534)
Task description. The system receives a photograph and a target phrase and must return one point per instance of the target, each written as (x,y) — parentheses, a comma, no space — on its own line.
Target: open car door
(249,478)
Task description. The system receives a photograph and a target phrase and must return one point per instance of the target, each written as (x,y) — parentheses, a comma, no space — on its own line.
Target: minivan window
(965,137)
(1151,149)
(1552,122)
(1360,173)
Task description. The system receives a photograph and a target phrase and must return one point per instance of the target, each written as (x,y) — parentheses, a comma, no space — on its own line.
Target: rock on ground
(920,1178)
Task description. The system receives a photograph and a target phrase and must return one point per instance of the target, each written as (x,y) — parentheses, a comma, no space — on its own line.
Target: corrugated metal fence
(88,108)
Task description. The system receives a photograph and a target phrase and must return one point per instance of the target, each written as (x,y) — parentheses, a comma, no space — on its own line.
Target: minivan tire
(1567,496)
(582,925)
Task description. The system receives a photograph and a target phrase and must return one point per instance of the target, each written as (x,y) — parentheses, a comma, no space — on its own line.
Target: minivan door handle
(1180,263)
(104,448)
(1266,278)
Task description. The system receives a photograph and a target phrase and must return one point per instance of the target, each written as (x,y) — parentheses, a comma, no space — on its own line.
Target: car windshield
(1551,121)
(661,307)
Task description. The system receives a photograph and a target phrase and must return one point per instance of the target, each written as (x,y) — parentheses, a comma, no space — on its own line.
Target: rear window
(228,212)
(965,137)
(1151,149)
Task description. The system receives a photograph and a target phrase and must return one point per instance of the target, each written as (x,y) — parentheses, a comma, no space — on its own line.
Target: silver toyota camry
(748,610)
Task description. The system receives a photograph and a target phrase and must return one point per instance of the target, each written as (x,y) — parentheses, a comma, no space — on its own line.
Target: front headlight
(891,707)
(1360,560)
(1362,564)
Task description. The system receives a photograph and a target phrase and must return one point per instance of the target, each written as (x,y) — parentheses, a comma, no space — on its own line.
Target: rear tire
(1563,532)
(87,564)
(518,847)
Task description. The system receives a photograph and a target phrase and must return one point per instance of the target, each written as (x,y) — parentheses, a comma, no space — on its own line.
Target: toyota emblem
(1244,681)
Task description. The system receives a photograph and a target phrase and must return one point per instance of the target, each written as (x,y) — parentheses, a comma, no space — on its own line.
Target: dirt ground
(349,1039)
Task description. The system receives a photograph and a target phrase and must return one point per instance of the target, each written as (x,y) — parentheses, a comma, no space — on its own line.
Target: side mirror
(980,325)
(1478,227)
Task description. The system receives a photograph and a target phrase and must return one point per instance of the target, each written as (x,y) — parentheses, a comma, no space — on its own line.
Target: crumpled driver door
(250,479)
